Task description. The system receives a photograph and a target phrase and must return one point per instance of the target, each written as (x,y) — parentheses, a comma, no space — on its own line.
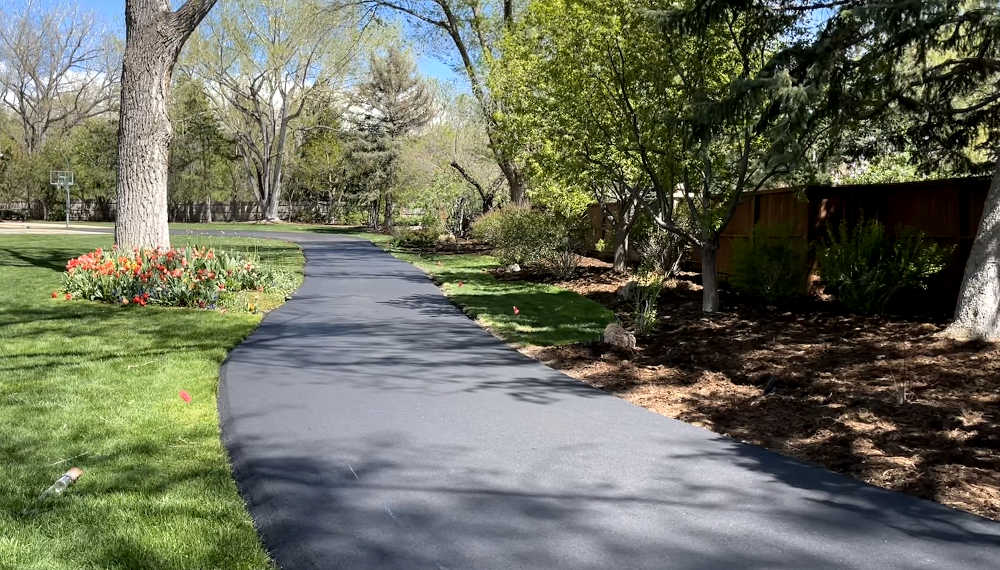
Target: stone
(512,268)
(617,336)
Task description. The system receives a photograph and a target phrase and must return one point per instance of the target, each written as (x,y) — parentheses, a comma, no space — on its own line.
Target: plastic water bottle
(61,484)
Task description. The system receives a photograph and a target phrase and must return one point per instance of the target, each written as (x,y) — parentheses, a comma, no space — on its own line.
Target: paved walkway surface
(372,425)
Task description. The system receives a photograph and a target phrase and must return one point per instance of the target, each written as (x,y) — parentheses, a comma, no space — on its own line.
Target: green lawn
(96,386)
(548,315)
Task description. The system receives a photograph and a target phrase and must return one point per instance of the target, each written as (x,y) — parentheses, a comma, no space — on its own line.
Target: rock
(627,291)
(617,336)
(512,268)
(447,238)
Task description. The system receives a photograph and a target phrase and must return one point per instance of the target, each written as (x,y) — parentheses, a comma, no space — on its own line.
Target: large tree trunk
(978,312)
(621,243)
(515,181)
(388,213)
(709,277)
(270,207)
(154,36)
(624,220)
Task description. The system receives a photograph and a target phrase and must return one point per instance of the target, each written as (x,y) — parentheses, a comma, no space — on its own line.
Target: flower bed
(187,277)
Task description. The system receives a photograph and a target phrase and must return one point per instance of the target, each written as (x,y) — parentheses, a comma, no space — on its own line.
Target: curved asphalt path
(372,425)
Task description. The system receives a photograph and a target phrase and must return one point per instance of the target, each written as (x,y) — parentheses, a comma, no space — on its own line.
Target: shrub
(865,269)
(521,235)
(647,297)
(188,277)
(418,238)
(770,267)
(661,252)
(562,261)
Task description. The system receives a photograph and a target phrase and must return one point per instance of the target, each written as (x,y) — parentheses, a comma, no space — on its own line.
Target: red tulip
(55,294)
(185,396)
(516,310)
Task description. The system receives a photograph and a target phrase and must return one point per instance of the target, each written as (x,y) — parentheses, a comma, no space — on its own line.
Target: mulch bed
(884,400)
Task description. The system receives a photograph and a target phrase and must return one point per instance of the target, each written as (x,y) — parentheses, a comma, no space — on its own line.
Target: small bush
(523,236)
(770,267)
(562,261)
(188,277)
(661,252)
(865,269)
(647,297)
(419,238)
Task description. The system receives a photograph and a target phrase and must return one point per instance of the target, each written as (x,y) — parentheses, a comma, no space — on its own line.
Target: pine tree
(396,103)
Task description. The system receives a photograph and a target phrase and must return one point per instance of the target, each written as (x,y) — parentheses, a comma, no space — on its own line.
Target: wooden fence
(947,211)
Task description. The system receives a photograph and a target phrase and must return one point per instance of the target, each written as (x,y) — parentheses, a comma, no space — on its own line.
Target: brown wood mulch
(884,400)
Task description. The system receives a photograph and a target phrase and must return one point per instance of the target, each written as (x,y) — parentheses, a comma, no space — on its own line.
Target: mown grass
(547,316)
(97,386)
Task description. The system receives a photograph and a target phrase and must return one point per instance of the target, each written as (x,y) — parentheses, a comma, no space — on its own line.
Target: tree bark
(709,277)
(388,213)
(978,312)
(153,40)
(515,182)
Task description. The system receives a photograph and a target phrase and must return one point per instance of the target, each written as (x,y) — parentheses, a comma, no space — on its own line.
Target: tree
(474,28)
(677,109)
(396,102)
(200,154)
(319,168)
(562,75)
(56,70)
(938,63)
(263,62)
(154,36)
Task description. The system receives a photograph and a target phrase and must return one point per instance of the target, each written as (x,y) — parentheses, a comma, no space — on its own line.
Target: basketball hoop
(62,179)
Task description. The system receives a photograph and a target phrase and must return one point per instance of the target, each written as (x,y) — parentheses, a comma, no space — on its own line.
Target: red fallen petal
(460,283)
(185,396)
(517,311)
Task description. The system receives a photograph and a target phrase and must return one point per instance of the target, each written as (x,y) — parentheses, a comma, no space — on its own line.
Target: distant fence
(105,211)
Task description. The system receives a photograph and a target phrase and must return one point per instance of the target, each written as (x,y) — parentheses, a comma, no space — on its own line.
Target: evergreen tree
(936,62)
(396,102)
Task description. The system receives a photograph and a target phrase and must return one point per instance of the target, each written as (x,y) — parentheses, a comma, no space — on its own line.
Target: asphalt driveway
(372,425)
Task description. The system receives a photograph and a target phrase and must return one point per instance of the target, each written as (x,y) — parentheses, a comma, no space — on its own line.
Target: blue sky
(113,13)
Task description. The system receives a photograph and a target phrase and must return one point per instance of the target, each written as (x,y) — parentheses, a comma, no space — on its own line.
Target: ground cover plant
(99,387)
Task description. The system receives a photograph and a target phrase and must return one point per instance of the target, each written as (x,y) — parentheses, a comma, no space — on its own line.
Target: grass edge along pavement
(98,386)
(518,312)
(546,315)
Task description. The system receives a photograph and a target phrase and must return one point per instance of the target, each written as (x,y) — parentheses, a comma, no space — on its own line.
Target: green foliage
(420,238)
(927,70)
(647,297)
(201,156)
(522,235)
(866,269)
(661,252)
(770,266)
(568,201)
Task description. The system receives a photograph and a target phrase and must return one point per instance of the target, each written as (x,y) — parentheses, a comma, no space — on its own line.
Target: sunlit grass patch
(546,315)
(97,386)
